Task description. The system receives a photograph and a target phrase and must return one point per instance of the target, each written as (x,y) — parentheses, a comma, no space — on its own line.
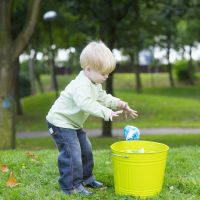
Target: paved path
(119,132)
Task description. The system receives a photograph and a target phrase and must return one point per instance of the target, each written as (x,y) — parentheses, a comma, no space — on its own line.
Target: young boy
(82,97)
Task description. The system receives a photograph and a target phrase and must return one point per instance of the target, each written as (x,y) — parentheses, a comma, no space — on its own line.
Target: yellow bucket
(139,167)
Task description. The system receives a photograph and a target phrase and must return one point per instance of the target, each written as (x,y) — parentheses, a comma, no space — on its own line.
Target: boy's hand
(128,111)
(115,114)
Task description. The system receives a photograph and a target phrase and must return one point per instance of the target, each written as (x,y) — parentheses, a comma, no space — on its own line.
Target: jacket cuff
(107,115)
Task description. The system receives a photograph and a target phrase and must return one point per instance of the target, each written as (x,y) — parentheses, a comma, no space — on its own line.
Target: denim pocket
(52,129)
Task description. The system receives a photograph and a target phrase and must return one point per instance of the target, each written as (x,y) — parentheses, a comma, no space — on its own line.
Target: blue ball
(131,133)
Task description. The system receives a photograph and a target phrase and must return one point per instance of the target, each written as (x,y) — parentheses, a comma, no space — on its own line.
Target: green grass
(37,177)
(100,143)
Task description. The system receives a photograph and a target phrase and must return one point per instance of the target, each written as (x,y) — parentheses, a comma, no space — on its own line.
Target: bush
(181,70)
(24,86)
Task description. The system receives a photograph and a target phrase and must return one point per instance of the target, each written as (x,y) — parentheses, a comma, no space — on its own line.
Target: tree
(188,33)
(130,39)
(169,12)
(137,32)
(54,30)
(9,53)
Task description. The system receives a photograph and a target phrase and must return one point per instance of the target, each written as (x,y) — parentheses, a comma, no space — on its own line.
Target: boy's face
(96,76)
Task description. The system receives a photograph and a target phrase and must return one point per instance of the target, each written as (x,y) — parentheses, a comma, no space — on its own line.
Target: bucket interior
(135,146)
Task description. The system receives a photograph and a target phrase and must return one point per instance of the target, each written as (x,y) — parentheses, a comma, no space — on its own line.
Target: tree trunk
(183,53)
(138,46)
(153,67)
(171,79)
(40,85)
(107,125)
(17,88)
(9,53)
(190,68)
(137,73)
(7,106)
(31,67)
(54,83)
(6,88)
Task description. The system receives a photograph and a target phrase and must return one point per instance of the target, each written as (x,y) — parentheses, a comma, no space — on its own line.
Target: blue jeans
(75,159)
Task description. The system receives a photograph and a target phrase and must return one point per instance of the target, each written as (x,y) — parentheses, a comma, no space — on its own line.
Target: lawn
(36,173)
(158,105)
(100,143)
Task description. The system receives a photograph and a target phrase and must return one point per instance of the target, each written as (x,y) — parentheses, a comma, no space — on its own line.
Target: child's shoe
(79,190)
(95,184)
(82,190)
(85,192)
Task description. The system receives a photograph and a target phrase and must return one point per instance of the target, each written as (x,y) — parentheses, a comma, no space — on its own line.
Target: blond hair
(97,56)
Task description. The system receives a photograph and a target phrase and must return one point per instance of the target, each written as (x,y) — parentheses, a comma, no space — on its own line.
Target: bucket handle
(123,156)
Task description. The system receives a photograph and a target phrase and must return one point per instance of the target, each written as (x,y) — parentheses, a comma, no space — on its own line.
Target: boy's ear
(87,69)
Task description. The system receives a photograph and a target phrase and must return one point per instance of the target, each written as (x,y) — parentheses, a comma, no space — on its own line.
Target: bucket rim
(166,146)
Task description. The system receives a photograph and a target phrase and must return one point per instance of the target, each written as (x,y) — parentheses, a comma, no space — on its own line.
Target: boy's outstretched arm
(127,110)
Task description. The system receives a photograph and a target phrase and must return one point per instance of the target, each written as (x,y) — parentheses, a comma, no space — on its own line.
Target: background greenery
(158,105)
